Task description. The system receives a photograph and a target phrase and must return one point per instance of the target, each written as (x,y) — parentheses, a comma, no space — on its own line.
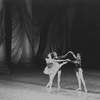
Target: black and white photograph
(49,50)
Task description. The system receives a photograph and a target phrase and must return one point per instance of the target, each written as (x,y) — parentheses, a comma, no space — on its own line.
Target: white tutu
(52,69)
(46,70)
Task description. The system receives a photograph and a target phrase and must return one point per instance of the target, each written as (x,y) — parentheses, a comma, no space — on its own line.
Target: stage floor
(30,85)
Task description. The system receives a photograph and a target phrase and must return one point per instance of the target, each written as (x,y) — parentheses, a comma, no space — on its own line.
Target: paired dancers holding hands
(54,63)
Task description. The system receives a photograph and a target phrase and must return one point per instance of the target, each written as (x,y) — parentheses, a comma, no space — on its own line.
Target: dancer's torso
(78,65)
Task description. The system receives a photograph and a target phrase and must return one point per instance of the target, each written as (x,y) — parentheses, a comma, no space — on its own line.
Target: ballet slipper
(79,89)
(59,87)
(85,90)
(48,85)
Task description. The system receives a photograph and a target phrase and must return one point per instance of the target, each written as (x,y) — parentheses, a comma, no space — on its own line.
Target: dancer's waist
(50,65)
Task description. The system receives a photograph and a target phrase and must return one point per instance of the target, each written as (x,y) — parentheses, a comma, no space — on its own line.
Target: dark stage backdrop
(33,28)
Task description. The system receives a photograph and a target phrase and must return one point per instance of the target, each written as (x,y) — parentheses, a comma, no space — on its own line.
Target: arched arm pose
(63,56)
(73,54)
(79,71)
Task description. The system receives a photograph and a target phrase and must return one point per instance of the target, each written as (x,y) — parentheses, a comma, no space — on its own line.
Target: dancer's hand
(68,60)
(71,52)
(64,63)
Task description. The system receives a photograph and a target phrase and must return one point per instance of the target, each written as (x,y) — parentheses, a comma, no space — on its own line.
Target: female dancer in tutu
(53,66)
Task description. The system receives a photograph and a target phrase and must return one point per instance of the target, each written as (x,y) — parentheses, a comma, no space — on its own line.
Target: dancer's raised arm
(72,54)
(64,55)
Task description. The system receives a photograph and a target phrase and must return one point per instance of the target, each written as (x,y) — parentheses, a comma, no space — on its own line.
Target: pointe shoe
(85,90)
(79,89)
(59,87)
(47,86)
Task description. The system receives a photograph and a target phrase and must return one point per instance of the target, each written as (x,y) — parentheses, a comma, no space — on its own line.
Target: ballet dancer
(79,71)
(59,71)
(53,66)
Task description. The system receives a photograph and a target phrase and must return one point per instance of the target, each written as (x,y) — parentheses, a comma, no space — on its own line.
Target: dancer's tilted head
(78,56)
(49,55)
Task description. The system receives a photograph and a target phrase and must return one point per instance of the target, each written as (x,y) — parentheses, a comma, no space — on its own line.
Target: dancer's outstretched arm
(59,60)
(66,60)
(72,54)
(64,55)
(67,54)
(75,62)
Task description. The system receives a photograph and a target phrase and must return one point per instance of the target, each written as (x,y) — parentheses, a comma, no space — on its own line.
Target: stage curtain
(57,39)
(54,20)
(2,33)
(21,31)
(31,22)
(37,28)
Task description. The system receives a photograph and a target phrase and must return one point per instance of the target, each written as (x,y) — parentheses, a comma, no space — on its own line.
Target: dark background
(84,31)
(85,36)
